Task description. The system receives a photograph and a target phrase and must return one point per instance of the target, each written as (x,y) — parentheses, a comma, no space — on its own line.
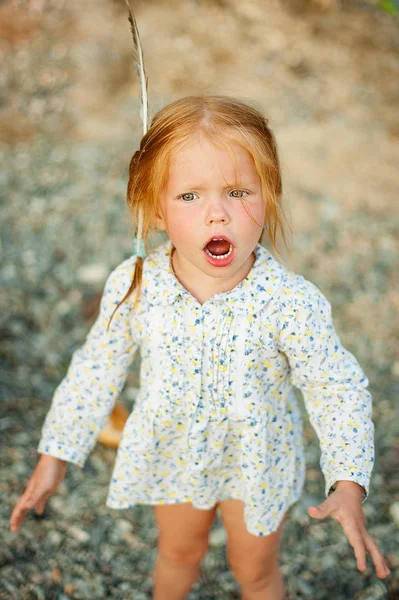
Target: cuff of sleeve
(358,478)
(53,448)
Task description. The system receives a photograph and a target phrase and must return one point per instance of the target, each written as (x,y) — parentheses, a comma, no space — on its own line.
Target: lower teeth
(221,256)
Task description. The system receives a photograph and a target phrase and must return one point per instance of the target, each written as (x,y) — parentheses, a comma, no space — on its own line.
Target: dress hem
(253,531)
(160,501)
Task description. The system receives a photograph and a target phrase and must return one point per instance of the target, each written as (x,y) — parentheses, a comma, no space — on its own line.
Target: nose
(216,212)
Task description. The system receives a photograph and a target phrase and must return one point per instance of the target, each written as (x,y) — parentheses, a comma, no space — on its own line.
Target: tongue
(218,247)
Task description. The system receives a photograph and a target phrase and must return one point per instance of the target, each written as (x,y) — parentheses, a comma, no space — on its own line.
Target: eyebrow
(204,187)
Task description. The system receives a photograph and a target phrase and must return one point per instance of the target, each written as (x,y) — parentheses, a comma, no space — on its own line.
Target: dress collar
(161,286)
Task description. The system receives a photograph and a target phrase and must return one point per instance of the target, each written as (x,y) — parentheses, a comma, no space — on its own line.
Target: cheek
(181,222)
(257,211)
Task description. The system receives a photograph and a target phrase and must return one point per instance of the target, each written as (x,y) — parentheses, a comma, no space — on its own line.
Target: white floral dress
(216,416)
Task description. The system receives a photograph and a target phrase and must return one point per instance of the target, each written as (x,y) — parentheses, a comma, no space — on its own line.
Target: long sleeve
(332,383)
(84,399)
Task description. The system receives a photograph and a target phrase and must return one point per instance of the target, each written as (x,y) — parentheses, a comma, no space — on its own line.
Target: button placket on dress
(218,422)
(207,432)
(199,414)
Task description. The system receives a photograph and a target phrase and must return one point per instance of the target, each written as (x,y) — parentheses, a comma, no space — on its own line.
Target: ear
(159,221)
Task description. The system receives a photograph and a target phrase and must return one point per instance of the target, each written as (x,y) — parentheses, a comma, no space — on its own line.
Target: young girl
(224,332)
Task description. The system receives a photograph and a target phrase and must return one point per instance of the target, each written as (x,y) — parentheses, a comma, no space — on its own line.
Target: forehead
(201,158)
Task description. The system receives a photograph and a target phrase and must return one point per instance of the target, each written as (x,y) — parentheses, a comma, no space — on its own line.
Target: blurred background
(325,73)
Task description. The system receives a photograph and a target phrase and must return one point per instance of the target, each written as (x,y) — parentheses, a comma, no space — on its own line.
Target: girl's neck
(202,286)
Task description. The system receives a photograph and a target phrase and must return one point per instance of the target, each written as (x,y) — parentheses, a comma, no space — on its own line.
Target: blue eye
(184,197)
(242,191)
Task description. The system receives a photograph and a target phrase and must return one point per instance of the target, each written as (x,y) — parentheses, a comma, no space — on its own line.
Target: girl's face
(211,231)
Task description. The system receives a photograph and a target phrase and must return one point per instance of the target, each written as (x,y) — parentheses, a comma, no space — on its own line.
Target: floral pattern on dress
(216,416)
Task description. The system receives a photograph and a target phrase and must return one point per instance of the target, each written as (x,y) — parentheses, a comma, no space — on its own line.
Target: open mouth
(218,248)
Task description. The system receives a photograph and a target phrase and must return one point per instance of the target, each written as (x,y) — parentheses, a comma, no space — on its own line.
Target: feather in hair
(139,248)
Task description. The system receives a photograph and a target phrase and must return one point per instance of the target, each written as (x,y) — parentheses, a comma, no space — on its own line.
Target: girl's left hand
(344,505)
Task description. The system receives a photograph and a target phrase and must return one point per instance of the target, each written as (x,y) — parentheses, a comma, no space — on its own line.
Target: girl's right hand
(45,479)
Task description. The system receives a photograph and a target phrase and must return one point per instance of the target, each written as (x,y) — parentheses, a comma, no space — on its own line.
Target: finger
(24,504)
(315,513)
(17,516)
(356,540)
(359,547)
(381,566)
(322,511)
(40,507)
(41,504)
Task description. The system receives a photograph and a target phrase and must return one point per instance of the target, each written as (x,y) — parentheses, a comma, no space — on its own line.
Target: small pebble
(92,274)
(124,526)
(55,538)
(78,534)
(218,536)
(394,512)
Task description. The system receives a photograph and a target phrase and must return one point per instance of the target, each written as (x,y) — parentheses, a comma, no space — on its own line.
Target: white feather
(139,62)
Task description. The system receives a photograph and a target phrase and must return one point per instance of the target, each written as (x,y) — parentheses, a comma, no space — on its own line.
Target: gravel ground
(327,75)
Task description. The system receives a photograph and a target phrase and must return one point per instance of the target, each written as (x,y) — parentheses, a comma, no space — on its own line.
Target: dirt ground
(326,74)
